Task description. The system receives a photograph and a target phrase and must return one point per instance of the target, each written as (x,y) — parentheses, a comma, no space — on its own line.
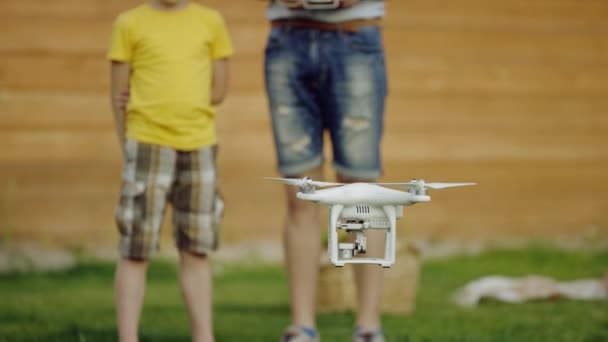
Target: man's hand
(299,4)
(292,4)
(348,3)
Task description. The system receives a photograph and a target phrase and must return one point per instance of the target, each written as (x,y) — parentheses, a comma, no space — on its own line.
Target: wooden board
(512,95)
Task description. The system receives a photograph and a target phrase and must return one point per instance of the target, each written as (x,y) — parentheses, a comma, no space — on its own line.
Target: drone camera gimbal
(357,220)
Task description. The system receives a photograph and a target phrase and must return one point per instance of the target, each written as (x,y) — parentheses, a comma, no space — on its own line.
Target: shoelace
(366,337)
(308,331)
(287,337)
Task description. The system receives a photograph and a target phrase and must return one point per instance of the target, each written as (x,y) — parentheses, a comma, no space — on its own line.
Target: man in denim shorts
(325,71)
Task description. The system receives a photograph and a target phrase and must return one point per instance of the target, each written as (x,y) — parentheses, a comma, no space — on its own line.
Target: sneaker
(368,336)
(300,334)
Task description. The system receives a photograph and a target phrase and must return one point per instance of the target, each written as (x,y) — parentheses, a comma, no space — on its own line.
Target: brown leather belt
(348,26)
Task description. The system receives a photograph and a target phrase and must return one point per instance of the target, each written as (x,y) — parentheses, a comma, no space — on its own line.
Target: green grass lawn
(251,304)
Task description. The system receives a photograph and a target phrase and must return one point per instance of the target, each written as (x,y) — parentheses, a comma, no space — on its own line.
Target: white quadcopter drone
(357,207)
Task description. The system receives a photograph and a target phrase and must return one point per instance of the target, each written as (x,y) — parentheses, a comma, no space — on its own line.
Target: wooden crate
(337,291)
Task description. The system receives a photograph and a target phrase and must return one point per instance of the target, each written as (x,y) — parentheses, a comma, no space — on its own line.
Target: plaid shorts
(154,175)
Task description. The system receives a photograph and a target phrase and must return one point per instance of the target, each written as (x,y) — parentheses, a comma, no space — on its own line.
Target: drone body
(362,193)
(358,207)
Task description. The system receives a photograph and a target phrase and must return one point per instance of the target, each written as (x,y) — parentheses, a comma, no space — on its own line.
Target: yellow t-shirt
(171,55)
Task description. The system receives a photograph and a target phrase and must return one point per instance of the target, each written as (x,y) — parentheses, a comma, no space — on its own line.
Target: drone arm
(303,182)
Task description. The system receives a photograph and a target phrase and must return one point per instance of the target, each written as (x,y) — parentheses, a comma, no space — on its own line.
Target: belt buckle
(320,4)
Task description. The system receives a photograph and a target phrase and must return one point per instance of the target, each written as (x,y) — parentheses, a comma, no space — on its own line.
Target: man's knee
(347,179)
(299,210)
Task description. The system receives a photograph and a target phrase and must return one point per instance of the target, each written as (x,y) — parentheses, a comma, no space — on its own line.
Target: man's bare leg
(196,283)
(302,244)
(368,278)
(129,286)
(369,281)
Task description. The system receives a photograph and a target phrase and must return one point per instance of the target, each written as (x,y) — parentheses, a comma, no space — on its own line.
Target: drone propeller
(445,185)
(423,184)
(303,182)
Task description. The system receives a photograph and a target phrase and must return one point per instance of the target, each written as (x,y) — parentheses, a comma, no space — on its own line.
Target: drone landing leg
(389,255)
(332,236)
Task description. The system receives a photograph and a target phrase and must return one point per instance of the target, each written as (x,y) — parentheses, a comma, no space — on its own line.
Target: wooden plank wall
(510,94)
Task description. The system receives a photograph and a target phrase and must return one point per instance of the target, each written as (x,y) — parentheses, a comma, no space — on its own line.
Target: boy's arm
(219,80)
(120,73)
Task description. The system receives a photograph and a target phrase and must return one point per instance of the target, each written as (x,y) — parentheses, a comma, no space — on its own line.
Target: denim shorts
(332,80)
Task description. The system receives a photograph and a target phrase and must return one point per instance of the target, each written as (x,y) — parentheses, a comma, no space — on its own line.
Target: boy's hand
(219,80)
(122,100)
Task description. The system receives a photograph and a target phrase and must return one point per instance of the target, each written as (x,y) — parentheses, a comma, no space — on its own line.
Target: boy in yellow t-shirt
(169,67)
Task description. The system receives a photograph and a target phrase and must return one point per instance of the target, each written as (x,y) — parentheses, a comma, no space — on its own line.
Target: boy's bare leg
(302,244)
(196,281)
(130,285)
(368,278)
